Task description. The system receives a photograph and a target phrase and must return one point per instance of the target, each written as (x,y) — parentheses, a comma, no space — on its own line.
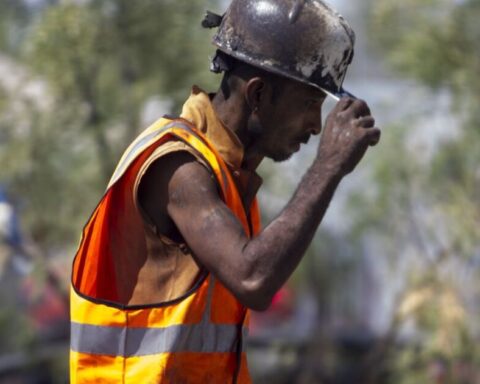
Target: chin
(279,157)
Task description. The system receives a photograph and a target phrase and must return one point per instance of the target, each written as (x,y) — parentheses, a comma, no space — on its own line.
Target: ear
(255,91)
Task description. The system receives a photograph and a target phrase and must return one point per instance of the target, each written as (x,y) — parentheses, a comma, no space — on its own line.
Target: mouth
(304,139)
(297,143)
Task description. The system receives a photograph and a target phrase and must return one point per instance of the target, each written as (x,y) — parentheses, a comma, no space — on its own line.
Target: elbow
(256,295)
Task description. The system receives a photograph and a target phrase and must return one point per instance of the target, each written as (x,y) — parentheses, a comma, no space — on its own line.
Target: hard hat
(305,40)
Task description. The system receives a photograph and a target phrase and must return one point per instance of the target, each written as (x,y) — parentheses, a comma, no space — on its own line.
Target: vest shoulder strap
(183,130)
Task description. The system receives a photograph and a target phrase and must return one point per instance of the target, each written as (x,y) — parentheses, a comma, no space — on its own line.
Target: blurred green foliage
(429,207)
(14,17)
(83,72)
(76,77)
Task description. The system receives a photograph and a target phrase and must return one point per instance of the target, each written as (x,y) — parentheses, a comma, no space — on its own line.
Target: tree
(95,65)
(427,210)
(109,57)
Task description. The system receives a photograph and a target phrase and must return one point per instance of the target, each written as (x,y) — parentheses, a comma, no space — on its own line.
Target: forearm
(254,269)
(272,256)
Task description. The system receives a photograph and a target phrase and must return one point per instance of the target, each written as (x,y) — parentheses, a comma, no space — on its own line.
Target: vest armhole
(165,149)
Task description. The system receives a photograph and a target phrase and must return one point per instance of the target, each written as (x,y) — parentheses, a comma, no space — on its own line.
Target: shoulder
(172,170)
(175,179)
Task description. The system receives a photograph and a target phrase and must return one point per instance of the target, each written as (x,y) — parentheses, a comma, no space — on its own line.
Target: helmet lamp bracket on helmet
(212,20)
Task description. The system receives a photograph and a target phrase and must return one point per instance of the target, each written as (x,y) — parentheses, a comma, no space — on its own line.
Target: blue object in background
(9,223)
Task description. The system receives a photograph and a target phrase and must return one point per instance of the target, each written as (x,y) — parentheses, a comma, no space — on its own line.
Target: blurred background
(389,291)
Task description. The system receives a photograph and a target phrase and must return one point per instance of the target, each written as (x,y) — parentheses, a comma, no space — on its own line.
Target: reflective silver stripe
(141,142)
(136,149)
(127,342)
(244,334)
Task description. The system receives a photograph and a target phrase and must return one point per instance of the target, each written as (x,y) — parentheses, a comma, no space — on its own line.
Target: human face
(294,114)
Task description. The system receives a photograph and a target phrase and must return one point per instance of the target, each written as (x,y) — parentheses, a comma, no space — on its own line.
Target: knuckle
(360,103)
(361,107)
(338,118)
(344,103)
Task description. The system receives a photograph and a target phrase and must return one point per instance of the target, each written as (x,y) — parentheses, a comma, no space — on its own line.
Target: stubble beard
(280,157)
(258,134)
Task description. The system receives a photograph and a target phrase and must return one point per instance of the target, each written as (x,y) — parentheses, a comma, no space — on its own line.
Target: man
(173,257)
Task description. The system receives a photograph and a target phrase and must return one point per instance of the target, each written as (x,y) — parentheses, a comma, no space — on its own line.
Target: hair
(236,71)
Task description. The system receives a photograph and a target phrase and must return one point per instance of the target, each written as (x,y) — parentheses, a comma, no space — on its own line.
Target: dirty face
(291,117)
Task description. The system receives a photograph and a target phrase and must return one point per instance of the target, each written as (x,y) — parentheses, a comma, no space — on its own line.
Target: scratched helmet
(305,40)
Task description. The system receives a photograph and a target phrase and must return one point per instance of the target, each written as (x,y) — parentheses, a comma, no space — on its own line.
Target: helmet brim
(338,95)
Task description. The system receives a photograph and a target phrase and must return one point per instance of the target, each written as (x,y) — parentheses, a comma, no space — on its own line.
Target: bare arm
(254,269)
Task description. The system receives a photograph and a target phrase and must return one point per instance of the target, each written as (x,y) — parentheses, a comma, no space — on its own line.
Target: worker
(173,257)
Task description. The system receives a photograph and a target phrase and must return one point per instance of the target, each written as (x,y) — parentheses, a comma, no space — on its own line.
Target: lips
(305,139)
(302,140)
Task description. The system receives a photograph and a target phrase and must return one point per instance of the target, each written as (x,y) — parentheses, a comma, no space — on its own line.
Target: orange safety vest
(193,339)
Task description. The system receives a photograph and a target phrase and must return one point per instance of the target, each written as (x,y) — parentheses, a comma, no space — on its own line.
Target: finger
(365,121)
(373,136)
(344,103)
(360,108)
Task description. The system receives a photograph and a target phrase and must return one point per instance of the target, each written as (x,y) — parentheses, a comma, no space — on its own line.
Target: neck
(233,113)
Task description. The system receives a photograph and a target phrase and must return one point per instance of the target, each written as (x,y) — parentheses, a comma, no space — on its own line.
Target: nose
(317,128)
(313,123)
